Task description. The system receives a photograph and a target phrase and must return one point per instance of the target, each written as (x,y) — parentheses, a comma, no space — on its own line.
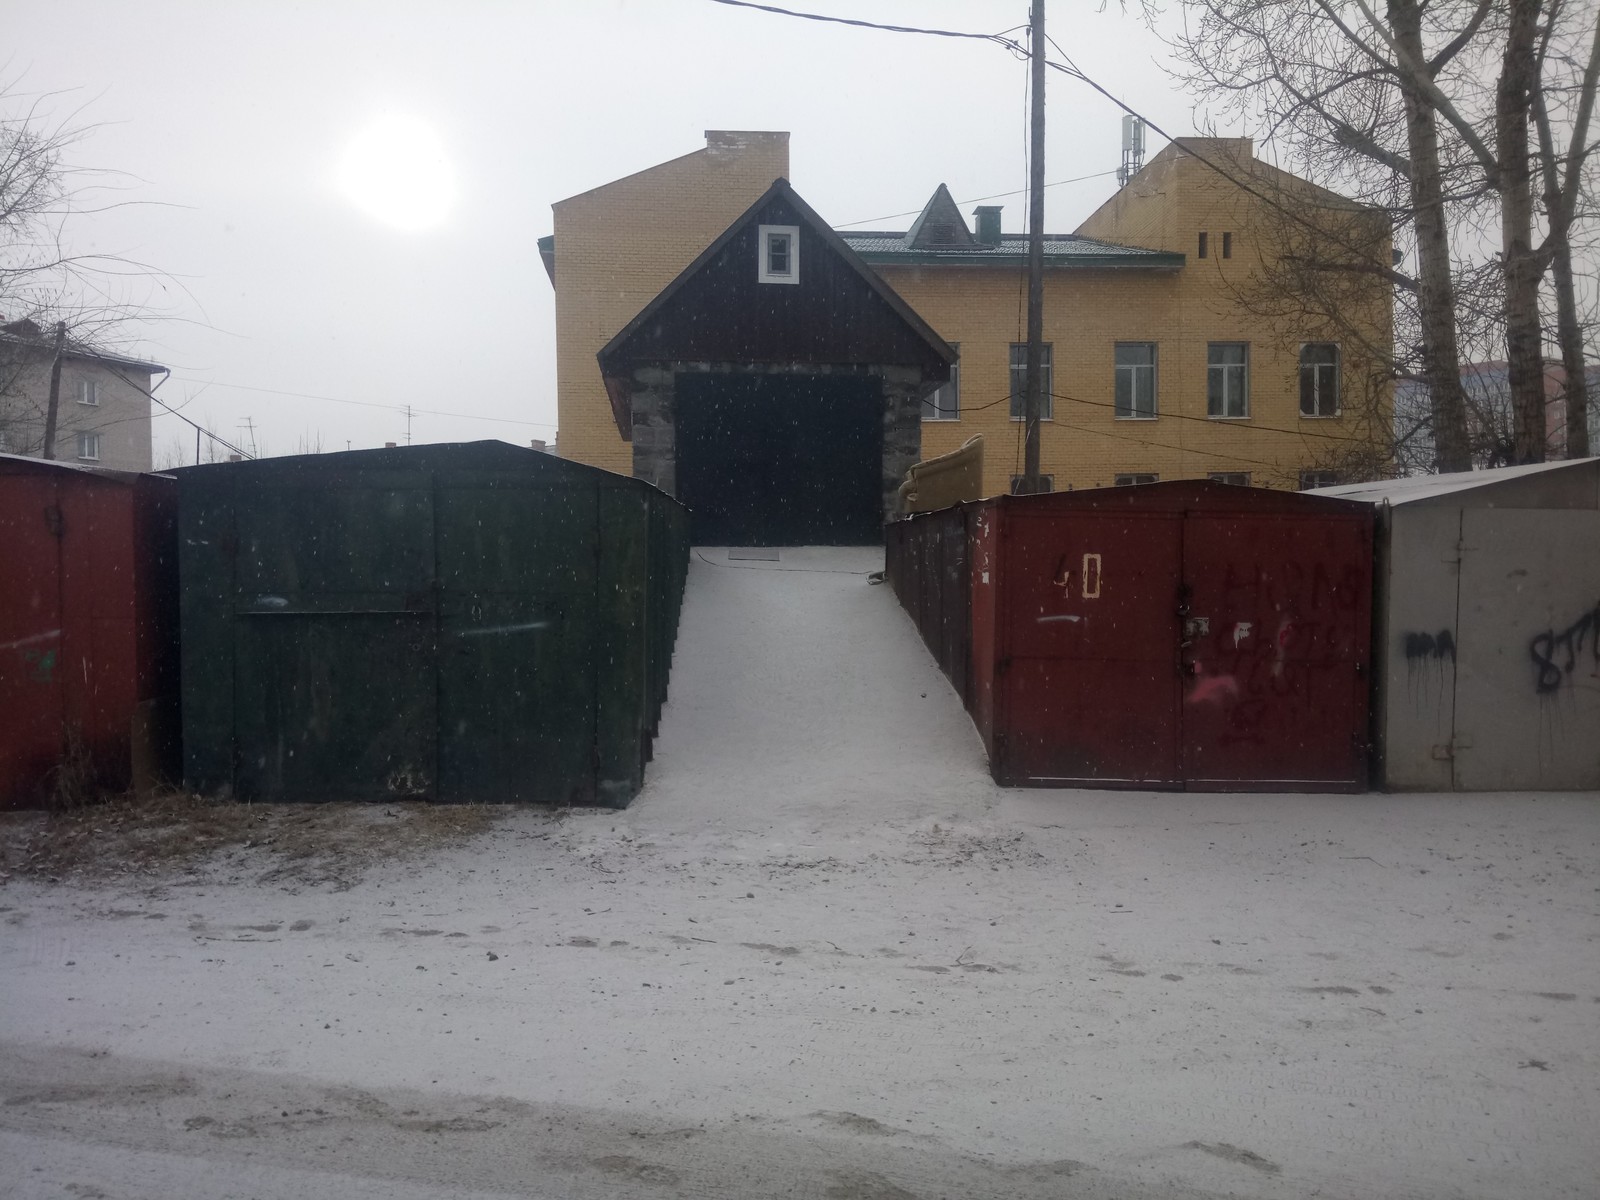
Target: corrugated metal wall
(929,566)
(1489,647)
(461,623)
(88,659)
(1175,635)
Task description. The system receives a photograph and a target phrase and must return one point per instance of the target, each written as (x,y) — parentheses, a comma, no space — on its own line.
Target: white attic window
(780,254)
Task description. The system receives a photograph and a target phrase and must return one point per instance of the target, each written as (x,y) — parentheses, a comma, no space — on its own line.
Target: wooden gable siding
(721,313)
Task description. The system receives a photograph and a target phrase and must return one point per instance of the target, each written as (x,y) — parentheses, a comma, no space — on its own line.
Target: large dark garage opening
(781,460)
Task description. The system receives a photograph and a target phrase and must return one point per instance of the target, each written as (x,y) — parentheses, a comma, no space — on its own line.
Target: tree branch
(1457,43)
(1416,74)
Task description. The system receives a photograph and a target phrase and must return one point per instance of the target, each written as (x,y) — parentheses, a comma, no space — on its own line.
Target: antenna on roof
(1132,149)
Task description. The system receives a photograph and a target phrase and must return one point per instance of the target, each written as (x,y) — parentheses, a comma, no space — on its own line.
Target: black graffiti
(1546,650)
(1430,645)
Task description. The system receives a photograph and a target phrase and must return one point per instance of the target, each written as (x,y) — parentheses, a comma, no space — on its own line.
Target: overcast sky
(290,305)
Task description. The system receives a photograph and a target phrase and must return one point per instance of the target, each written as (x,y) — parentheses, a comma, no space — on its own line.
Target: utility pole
(408,424)
(53,407)
(1033,401)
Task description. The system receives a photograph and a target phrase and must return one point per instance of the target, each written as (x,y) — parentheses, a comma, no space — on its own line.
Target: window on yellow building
(1318,479)
(1136,380)
(1203,247)
(1236,478)
(1019,382)
(1228,379)
(945,404)
(1319,379)
(1227,245)
(1132,478)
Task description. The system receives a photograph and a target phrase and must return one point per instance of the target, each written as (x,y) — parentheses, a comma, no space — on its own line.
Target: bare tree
(1566,79)
(1395,109)
(1507,168)
(52,300)
(1336,115)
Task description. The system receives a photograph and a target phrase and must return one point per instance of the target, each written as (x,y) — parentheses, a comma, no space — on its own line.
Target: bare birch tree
(1394,108)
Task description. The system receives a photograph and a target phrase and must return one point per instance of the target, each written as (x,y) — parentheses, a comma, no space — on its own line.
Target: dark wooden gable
(941,227)
(839,313)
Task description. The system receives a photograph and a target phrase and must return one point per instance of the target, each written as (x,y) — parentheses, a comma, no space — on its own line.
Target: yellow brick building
(617,246)
(1174,351)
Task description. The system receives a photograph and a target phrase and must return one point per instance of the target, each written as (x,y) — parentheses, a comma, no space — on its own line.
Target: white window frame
(1318,479)
(1232,478)
(88,446)
(769,233)
(89,393)
(932,408)
(1134,478)
(1318,413)
(1133,370)
(1018,366)
(1239,372)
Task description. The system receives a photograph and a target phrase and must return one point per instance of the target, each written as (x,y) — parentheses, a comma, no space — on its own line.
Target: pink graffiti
(1211,689)
(1285,636)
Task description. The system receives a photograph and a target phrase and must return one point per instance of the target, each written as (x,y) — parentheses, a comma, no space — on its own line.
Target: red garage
(1173,635)
(88,653)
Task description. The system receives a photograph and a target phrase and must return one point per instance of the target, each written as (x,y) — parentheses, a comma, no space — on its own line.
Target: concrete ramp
(802,694)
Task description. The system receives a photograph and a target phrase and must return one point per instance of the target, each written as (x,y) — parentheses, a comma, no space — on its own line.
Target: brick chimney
(742,139)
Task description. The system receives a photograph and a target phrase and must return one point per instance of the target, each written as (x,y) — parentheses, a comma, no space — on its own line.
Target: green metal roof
(1060,250)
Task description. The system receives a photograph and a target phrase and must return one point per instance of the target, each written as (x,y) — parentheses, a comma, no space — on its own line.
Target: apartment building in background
(102,405)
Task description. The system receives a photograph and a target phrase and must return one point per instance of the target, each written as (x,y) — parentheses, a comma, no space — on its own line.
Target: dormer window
(780,254)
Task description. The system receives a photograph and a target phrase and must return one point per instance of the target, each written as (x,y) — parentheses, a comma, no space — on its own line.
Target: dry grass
(175,831)
(72,783)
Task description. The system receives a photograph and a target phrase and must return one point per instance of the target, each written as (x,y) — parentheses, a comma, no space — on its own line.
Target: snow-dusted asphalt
(822,956)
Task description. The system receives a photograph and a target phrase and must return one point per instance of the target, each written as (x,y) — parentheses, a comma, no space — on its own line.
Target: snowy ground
(823,956)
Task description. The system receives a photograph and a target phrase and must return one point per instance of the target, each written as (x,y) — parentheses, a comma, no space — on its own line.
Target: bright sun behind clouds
(396,170)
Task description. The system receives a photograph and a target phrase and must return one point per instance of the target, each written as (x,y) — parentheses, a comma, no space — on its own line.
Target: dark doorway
(781,460)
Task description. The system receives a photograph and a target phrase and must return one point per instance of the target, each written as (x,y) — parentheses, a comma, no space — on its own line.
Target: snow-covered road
(823,956)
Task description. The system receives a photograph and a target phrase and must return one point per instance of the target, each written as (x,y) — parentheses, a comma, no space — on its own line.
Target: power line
(978,199)
(396,408)
(806,16)
(150,394)
(1223,458)
(1233,422)
(1072,70)
(1219,455)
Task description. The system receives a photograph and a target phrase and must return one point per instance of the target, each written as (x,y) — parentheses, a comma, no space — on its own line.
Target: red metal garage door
(1274,651)
(1177,635)
(1091,686)
(30,638)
